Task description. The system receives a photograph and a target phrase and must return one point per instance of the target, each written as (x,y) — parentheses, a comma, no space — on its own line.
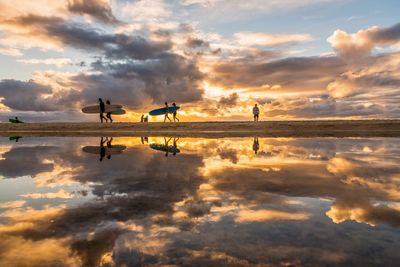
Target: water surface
(202,202)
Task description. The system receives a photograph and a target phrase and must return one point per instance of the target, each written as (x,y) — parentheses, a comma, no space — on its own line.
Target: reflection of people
(166,145)
(175,145)
(166,112)
(144,139)
(174,114)
(256,112)
(109,113)
(256,145)
(102,110)
(109,146)
(102,148)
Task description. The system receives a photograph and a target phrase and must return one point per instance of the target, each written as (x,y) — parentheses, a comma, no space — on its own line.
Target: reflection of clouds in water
(215,204)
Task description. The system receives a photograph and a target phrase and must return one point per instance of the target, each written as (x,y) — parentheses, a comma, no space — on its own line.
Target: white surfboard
(113,150)
(96,109)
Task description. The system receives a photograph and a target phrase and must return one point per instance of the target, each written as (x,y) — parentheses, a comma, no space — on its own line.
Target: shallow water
(204,202)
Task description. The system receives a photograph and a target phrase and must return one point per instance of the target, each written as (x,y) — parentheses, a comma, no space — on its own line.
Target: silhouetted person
(102,110)
(256,112)
(166,112)
(102,148)
(146,119)
(109,113)
(142,118)
(174,114)
(256,145)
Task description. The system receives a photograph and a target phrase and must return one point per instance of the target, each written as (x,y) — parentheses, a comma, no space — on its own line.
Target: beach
(322,128)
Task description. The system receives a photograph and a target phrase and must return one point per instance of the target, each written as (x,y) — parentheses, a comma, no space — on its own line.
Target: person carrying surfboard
(256,112)
(108,116)
(166,113)
(174,114)
(102,110)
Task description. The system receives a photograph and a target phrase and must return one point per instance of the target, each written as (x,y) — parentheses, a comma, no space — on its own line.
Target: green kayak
(15,121)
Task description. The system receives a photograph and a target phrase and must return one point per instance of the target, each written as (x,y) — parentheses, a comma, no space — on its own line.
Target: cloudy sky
(298,59)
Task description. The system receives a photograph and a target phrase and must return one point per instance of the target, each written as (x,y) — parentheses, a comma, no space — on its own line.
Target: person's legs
(109,116)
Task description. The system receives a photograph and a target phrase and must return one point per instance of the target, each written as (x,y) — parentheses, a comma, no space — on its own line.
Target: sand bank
(331,128)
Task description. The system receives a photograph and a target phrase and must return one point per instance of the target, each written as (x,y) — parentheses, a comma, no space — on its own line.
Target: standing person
(256,112)
(174,114)
(166,113)
(109,113)
(102,110)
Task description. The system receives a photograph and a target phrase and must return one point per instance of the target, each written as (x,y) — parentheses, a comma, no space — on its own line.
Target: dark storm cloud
(114,46)
(146,70)
(99,9)
(25,96)
(169,78)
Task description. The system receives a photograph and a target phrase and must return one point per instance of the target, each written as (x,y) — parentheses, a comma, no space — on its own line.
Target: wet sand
(331,128)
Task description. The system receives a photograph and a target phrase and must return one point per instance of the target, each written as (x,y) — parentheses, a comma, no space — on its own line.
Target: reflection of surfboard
(96,109)
(162,111)
(169,149)
(113,150)
(14,121)
(15,138)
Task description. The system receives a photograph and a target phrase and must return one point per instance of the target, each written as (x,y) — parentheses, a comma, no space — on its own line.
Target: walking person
(166,113)
(174,114)
(256,112)
(108,116)
(102,110)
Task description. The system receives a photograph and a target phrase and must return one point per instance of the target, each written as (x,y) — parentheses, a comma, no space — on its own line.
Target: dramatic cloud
(354,46)
(26,96)
(99,9)
(306,73)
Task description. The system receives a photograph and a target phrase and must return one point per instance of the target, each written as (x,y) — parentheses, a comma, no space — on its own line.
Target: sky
(311,59)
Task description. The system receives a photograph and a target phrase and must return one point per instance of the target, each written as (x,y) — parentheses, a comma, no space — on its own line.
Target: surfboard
(14,121)
(162,111)
(118,112)
(113,150)
(164,148)
(96,108)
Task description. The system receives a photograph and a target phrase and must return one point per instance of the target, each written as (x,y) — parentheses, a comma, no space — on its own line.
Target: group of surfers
(256,113)
(174,117)
(103,110)
(102,106)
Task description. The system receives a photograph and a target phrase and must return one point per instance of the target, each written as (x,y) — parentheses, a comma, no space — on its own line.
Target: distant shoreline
(320,128)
